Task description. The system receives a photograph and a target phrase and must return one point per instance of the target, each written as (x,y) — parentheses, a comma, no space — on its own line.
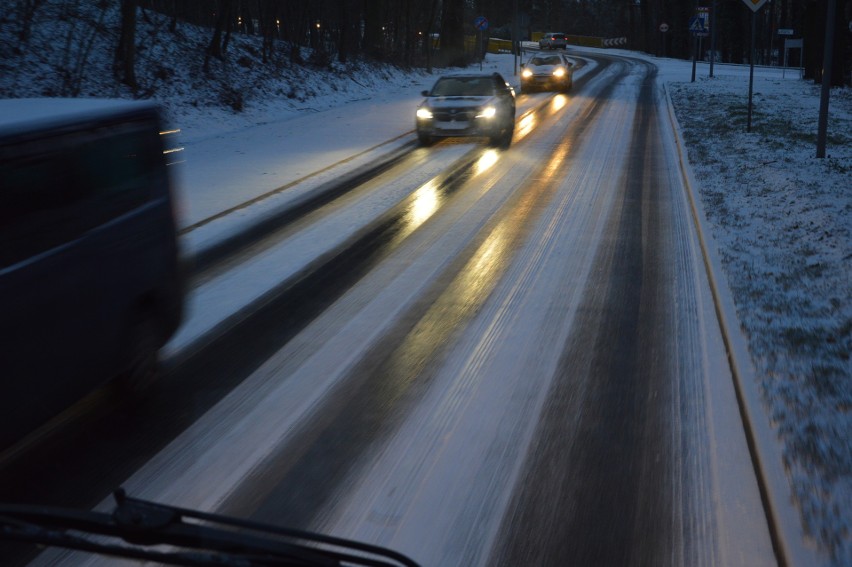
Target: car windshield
(545,61)
(464,86)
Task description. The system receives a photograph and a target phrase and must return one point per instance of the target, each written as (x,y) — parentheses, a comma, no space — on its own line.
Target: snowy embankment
(782,220)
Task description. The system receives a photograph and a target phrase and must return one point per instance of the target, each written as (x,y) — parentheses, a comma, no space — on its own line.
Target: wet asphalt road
(509,366)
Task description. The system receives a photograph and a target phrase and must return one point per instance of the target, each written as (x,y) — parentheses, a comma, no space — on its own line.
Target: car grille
(454,114)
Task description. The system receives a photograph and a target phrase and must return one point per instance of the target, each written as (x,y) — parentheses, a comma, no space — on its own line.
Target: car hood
(457,101)
(543,69)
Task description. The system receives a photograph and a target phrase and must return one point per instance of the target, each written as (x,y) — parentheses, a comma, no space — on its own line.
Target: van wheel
(144,368)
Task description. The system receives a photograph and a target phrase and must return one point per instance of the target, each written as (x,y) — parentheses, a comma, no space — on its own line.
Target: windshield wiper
(196,538)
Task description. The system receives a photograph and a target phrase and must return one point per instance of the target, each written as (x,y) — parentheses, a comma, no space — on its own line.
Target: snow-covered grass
(781,218)
(783,222)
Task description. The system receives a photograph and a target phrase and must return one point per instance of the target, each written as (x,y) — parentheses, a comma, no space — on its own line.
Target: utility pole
(712,37)
(516,40)
(755,5)
(827,62)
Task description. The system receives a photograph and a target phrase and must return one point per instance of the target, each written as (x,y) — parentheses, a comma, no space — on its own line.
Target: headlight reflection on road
(485,162)
(554,165)
(461,301)
(427,199)
(528,122)
(525,125)
(559,101)
(423,204)
(479,276)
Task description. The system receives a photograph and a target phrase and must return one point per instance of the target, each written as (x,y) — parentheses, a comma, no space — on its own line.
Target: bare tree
(374,18)
(268,16)
(214,49)
(294,24)
(452,32)
(26,13)
(125,52)
(79,41)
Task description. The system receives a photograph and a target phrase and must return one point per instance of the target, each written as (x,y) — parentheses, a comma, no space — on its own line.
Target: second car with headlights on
(550,72)
(478,105)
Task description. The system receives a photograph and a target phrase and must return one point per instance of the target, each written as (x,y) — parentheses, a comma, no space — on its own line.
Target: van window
(56,189)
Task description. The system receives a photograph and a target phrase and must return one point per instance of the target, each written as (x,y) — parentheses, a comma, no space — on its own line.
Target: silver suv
(478,105)
(552,40)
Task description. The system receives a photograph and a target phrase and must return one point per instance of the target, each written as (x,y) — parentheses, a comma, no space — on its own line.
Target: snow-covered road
(262,134)
(528,371)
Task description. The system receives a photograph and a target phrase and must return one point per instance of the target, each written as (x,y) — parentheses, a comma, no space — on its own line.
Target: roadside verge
(788,537)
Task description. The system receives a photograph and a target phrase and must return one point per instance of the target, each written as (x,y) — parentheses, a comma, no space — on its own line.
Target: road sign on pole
(700,23)
(755,5)
(703,14)
(481,24)
(694,24)
(699,26)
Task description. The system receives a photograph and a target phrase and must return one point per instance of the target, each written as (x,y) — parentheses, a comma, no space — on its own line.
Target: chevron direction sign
(615,42)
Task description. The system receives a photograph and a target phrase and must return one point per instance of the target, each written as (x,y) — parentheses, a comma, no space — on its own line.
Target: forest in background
(398,32)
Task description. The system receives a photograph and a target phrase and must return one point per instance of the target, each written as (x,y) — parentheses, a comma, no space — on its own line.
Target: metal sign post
(694,26)
(828,54)
(481,24)
(516,40)
(712,38)
(755,5)
(751,71)
(699,26)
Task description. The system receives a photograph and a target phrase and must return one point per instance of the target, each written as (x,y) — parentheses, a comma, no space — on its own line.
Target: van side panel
(87,247)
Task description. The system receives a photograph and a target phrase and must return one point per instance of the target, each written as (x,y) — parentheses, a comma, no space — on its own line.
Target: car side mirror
(424,93)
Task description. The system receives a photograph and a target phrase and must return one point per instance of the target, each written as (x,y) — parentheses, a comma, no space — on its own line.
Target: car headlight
(526,73)
(487,112)
(559,72)
(424,113)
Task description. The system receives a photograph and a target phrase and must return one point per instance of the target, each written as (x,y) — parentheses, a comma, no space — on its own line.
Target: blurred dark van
(90,285)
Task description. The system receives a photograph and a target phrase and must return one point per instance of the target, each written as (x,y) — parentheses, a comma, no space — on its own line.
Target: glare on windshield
(464,86)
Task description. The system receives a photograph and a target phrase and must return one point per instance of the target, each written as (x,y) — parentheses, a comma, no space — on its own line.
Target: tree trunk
(215,47)
(433,9)
(27,10)
(125,53)
(373,33)
(452,33)
(347,23)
